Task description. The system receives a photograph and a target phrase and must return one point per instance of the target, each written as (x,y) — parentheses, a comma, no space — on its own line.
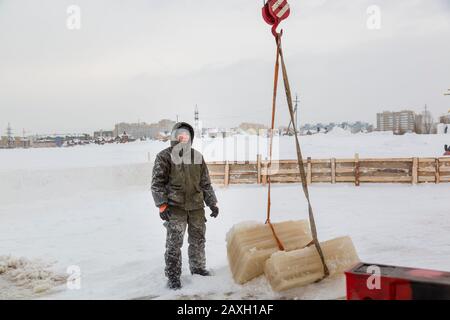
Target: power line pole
(196,117)
(197,122)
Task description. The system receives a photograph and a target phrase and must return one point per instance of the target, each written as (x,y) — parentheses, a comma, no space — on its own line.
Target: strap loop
(299,154)
(300,159)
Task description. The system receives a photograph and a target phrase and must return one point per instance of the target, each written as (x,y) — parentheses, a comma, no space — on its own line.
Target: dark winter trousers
(176,228)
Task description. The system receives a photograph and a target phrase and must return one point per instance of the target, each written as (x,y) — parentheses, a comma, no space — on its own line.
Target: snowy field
(90,207)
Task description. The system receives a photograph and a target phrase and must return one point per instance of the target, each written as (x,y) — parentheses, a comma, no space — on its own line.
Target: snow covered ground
(90,207)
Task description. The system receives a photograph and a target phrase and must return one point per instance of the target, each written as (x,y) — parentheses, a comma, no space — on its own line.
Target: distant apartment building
(144,130)
(397,122)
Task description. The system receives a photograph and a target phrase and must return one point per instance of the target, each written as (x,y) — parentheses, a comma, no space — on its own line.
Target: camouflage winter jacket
(181,182)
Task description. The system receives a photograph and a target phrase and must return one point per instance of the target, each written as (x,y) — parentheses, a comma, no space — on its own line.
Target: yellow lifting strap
(275,87)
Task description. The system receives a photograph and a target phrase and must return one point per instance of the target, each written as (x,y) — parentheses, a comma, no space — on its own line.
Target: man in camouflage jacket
(180,187)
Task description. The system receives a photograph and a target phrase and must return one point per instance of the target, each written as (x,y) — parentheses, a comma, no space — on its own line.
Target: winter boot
(202,272)
(174,283)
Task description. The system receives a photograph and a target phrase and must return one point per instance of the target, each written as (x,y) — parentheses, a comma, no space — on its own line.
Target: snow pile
(23,278)
(338,131)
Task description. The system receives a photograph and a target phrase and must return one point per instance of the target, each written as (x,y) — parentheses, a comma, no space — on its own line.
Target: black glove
(214,211)
(165,214)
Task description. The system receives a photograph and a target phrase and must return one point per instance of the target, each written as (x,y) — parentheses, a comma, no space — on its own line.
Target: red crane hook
(275,11)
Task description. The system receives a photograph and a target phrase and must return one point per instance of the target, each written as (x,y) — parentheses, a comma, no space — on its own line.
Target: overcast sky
(146,60)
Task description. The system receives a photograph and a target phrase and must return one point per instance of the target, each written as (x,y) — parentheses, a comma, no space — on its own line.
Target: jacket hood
(180,125)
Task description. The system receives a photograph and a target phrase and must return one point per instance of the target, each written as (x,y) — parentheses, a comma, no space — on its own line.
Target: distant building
(219,132)
(136,130)
(82,137)
(443,128)
(163,136)
(3,142)
(104,134)
(14,142)
(397,122)
(445,118)
(45,143)
(212,132)
(144,130)
(253,128)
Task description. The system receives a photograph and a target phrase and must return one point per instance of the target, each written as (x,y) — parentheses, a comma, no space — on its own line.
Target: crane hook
(275,11)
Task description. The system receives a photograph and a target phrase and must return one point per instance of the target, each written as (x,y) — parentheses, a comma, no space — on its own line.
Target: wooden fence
(355,170)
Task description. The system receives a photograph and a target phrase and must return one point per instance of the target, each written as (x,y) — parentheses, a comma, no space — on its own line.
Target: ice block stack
(286,270)
(249,245)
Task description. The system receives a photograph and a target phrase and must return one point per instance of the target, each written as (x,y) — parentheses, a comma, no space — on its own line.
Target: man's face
(183,136)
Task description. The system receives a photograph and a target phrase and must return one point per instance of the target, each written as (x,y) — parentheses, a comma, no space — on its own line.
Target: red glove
(164,212)
(163,207)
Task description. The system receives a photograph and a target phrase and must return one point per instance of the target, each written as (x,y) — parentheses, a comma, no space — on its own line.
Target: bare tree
(427,120)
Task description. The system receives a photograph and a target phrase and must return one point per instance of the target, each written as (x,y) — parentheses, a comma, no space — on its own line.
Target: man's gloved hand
(214,211)
(164,212)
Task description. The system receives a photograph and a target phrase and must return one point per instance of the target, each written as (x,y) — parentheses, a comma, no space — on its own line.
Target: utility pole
(196,117)
(197,122)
